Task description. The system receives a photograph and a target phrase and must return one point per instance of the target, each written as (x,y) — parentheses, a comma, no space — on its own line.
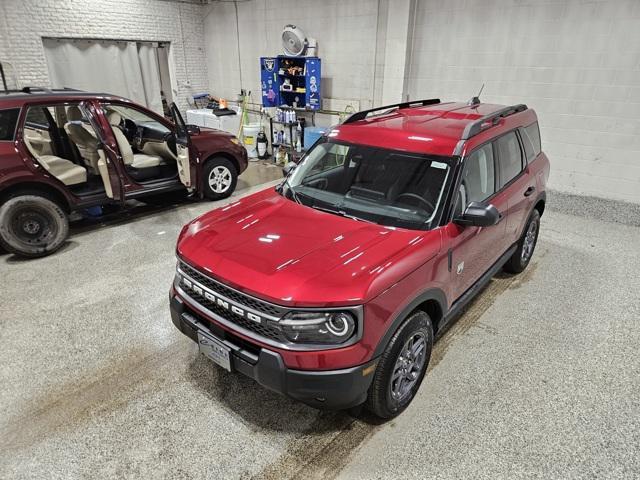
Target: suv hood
(207,132)
(289,254)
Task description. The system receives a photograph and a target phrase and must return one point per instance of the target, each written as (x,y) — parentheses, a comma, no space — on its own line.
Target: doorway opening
(140,71)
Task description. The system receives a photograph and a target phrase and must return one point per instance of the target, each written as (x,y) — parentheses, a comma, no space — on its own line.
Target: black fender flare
(430,294)
(541,196)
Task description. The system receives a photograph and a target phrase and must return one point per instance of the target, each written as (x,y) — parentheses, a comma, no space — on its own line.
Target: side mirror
(193,129)
(479,215)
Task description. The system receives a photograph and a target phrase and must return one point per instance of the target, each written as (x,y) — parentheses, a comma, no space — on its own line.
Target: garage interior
(538,377)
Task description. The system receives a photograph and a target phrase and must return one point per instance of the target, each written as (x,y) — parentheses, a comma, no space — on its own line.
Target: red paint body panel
(268,246)
(433,129)
(275,249)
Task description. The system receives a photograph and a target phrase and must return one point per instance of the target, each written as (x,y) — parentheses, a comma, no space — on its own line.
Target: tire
(220,177)
(526,245)
(32,225)
(386,397)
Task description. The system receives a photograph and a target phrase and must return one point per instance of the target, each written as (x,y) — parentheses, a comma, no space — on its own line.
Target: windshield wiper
(341,213)
(294,195)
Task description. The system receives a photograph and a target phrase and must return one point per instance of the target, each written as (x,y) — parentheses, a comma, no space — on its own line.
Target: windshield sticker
(439,165)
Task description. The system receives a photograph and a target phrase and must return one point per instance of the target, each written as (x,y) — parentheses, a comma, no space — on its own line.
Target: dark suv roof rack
(417,103)
(474,128)
(30,90)
(35,89)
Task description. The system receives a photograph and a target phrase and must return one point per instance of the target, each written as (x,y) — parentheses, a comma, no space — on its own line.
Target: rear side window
(531,141)
(8,121)
(37,118)
(509,157)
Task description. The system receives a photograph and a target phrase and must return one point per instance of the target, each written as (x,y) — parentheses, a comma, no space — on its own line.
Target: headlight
(331,328)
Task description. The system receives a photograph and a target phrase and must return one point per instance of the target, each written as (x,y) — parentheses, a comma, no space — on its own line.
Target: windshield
(388,187)
(136,116)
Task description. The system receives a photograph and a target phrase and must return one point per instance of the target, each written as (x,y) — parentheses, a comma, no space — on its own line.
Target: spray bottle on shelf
(299,138)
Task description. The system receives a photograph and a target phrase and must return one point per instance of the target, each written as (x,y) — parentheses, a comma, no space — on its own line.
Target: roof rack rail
(35,89)
(417,103)
(474,128)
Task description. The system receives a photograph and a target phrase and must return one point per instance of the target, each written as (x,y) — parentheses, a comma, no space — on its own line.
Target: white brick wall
(576,62)
(25,22)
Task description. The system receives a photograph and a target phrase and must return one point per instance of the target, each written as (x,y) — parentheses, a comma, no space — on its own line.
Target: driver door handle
(529,191)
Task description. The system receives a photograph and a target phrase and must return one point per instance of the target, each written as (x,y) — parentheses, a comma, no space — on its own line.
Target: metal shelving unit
(291,126)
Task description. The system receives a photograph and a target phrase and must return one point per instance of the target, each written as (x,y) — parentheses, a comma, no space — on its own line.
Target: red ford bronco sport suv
(332,287)
(66,150)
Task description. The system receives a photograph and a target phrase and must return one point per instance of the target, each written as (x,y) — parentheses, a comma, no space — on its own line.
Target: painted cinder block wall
(346,32)
(23,23)
(577,63)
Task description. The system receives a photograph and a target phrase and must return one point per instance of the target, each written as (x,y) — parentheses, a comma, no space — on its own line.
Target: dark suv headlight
(325,328)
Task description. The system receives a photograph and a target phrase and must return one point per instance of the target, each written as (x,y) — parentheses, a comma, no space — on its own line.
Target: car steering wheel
(417,197)
(129,128)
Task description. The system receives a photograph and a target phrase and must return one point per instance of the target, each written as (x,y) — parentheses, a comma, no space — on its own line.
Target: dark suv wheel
(32,225)
(220,178)
(401,367)
(526,245)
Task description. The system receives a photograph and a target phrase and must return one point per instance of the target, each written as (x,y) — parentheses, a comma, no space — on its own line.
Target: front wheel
(402,367)
(526,245)
(220,178)
(32,225)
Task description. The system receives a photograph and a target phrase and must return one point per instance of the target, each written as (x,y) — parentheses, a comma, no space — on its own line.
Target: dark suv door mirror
(479,215)
(193,129)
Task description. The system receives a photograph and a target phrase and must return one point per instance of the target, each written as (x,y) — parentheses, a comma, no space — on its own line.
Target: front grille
(232,294)
(258,328)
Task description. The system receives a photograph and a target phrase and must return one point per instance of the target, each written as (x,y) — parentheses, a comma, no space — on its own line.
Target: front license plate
(214,349)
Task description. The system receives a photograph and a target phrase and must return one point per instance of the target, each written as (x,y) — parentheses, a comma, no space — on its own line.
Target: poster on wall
(269,81)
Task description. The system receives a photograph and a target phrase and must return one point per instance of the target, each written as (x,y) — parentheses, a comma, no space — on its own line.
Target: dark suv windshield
(388,187)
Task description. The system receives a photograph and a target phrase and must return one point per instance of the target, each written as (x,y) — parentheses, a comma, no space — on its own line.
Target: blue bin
(312,134)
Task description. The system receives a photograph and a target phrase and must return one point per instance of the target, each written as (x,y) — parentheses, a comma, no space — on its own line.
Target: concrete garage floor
(540,377)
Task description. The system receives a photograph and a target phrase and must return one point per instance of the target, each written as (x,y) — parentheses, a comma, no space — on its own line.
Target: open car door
(182,148)
(107,155)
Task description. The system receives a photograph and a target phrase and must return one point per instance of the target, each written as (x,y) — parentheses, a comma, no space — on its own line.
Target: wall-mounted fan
(296,43)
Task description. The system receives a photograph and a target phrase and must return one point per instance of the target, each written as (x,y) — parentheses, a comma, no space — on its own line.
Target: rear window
(509,157)
(531,140)
(37,118)
(8,121)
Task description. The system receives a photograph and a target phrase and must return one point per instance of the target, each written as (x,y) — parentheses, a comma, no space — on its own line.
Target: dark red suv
(332,287)
(65,150)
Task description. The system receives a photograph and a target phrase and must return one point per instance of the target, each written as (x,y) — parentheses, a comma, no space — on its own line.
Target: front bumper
(330,389)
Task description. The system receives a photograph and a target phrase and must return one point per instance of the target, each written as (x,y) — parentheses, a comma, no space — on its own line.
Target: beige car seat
(135,160)
(64,170)
(86,142)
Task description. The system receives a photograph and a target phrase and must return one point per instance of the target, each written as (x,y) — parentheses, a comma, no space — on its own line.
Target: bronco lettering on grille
(197,289)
